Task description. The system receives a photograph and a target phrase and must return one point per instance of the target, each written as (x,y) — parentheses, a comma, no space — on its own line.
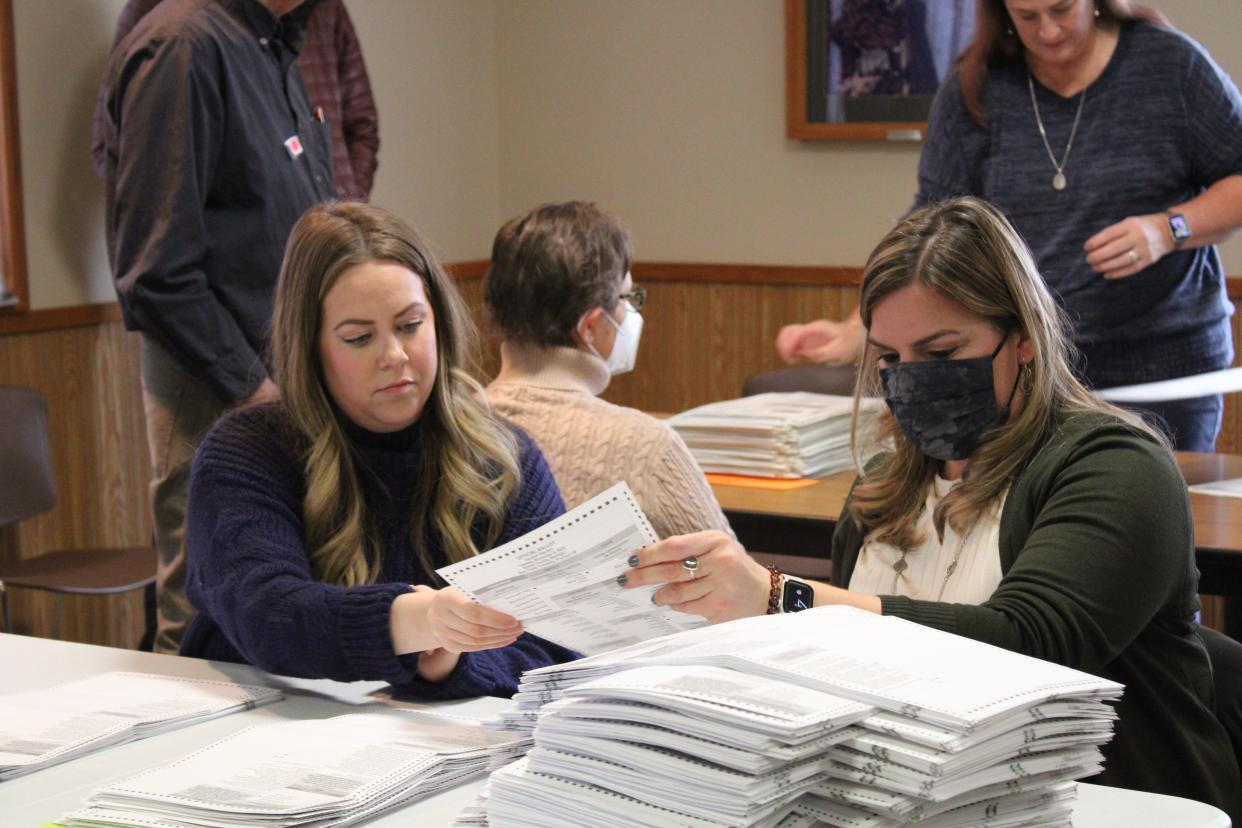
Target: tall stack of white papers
(39,728)
(325,772)
(777,434)
(832,716)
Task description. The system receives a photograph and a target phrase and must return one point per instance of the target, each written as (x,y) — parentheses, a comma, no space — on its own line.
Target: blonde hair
(470,467)
(968,252)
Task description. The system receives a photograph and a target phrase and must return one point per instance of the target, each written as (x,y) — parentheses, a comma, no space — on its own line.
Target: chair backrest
(27,482)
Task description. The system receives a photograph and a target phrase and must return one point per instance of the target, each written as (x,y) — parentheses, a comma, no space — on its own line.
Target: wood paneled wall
(701,339)
(89,376)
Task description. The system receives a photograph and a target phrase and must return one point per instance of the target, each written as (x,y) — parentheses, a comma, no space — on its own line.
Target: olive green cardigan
(1097,556)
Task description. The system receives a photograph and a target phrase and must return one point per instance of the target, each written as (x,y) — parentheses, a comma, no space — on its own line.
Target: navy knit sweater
(250,578)
(1160,124)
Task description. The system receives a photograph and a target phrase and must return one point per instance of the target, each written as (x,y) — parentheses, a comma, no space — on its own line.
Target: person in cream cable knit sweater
(557,357)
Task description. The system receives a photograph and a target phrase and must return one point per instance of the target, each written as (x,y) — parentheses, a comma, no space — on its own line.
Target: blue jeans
(1192,425)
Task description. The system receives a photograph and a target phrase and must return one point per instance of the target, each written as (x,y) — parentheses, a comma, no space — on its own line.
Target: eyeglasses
(636,296)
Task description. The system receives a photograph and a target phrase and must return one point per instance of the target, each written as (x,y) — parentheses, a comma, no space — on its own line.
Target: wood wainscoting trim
(468,270)
(55,319)
(747,274)
(737,274)
(78,316)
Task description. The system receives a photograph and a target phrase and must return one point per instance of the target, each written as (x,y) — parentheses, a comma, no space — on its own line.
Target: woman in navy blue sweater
(315,524)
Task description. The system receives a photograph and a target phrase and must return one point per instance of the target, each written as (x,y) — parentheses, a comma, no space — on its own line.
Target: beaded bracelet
(774,596)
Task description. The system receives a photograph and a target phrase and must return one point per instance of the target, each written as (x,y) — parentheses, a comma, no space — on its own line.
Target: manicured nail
(633,560)
(622,580)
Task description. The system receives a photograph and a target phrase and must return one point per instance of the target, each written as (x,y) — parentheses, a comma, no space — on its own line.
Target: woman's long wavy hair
(995,42)
(968,252)
(469,466)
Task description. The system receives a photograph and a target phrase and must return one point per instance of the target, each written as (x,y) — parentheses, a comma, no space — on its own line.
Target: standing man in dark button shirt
(336,80)
(213,151)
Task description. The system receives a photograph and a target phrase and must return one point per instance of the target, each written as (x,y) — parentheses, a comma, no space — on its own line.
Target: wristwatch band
(774,595)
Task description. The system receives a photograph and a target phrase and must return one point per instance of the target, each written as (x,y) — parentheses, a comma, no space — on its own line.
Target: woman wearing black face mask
(1010,505)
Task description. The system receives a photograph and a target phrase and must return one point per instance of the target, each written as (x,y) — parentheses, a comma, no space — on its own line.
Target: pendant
(900,566)
(1058,181)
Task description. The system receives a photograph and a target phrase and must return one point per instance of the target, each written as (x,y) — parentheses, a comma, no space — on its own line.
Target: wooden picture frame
(806,69)
(15,297)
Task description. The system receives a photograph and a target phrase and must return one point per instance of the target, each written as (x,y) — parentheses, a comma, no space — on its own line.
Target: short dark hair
(551,266)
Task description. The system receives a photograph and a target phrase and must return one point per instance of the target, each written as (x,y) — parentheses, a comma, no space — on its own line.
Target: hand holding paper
(560,581)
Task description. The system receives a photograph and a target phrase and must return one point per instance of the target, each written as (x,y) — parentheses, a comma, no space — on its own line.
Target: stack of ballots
(831,716)
(324,772)
(44,727)
(778,434)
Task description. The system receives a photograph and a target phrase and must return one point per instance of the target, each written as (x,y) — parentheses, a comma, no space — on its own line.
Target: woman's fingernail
(633,560)
(622,580)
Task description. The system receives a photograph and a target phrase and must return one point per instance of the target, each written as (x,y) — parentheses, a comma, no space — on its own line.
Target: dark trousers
(1192,425)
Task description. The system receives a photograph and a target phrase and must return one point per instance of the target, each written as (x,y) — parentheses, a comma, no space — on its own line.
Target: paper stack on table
(44,727)
(777,434)
(320,772)
(833,716)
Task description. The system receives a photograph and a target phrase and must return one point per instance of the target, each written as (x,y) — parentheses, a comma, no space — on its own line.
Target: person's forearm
(827,595)
(1215,214)
(408,626)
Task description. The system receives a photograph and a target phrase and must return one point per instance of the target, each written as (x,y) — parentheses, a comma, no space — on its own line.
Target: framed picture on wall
(13,294)
(861,70)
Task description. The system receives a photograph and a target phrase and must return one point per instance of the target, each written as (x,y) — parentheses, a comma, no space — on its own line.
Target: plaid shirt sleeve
(336,79)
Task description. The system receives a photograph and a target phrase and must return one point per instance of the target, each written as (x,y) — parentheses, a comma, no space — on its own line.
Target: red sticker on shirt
(294,146)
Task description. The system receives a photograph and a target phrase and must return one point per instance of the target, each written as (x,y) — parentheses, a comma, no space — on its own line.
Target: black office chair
(28,488)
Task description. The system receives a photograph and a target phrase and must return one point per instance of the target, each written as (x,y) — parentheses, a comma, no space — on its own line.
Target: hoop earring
(1097,10)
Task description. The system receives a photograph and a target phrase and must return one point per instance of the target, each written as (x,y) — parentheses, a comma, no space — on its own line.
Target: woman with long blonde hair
(316,523)
(1009,504)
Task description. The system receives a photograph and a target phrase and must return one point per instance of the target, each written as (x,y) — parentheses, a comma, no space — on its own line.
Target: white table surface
(42,797)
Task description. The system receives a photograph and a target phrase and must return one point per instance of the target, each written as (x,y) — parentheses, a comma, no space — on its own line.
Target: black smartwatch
(1179,228)
(796,595)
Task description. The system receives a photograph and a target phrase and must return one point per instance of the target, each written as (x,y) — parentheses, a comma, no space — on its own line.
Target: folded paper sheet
(560,580)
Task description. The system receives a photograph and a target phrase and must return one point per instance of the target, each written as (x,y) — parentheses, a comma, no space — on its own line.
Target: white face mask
(625,345)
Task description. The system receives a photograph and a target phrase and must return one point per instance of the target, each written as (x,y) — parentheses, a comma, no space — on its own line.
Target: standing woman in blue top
(1113,143)
(316,523)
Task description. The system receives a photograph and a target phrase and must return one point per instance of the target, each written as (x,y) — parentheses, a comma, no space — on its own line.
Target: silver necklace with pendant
(901,565)
(1058,180)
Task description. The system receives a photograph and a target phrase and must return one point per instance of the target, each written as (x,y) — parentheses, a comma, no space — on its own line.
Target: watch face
(797,596)
(1179,226)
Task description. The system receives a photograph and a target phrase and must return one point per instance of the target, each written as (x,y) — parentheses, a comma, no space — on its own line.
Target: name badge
(293,145)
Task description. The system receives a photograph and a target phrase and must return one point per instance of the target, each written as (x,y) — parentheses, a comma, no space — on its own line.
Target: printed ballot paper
(560,580)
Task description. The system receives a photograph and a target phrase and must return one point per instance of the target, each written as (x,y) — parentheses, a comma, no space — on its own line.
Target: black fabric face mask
(945,406)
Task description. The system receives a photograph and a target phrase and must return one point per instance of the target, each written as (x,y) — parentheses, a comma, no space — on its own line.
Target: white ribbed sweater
(590,444)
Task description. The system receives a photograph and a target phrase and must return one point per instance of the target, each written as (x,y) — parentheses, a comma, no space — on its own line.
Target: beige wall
(61,49)
(671,114)
(433,73)
(668,112)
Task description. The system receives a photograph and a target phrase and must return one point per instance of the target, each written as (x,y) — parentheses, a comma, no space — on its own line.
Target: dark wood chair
(28,488)
(822,379)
